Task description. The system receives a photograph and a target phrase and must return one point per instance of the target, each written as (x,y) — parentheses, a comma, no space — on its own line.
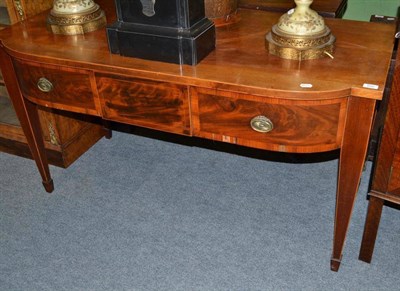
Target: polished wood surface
(161,106)
(327,8)
(385,181)
(299,126)
(63,81)
(315,106)
(240,52)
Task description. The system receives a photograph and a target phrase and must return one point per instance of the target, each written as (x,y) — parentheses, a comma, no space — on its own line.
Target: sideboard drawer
(295,126)
(56,87)
(151,104)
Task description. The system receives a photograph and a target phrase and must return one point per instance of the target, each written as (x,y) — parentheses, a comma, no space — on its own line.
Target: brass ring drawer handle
(261,124)
(44,85)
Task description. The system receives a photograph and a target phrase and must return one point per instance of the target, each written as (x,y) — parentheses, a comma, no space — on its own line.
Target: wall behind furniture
(363,9)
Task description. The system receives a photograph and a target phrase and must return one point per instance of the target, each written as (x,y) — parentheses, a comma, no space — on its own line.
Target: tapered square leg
(28,117)
(371,228)
(353,152)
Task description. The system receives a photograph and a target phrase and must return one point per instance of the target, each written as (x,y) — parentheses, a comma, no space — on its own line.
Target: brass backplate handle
(261,124)
(44,85)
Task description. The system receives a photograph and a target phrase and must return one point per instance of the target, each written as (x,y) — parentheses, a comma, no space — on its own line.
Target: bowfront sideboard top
(238,94)
(239,63)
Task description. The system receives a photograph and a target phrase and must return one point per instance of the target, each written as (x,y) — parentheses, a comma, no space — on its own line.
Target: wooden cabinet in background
(12,11)
(385,180)
(66,136)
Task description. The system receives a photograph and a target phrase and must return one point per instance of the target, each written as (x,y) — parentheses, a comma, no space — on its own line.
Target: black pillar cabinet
(174,31)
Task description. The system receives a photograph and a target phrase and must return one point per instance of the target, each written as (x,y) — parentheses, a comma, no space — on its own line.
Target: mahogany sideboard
(311,106)
(327,8)
(385,180)
(65,136)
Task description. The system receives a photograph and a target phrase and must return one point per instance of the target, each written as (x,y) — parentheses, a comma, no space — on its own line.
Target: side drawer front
(70,88)
(298,126)
(157,105)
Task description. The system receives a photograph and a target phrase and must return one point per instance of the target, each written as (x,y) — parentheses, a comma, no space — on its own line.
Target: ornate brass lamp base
(300,47)
(76,22)
(300,34)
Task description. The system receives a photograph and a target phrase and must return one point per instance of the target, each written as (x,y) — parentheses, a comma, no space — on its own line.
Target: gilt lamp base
(76,23)
(300,47)
(300,34)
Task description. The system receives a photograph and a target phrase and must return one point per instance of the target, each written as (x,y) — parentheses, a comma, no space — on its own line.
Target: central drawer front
(157,105)
(57,86)
(297,125)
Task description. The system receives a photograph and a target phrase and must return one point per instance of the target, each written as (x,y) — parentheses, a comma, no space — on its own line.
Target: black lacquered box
(174,31)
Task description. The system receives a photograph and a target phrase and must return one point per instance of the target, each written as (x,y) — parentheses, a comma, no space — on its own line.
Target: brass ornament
(302,47)
(261,124)
(300,34)
(53,136)
(75,17)
(19,9)
(45,85)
